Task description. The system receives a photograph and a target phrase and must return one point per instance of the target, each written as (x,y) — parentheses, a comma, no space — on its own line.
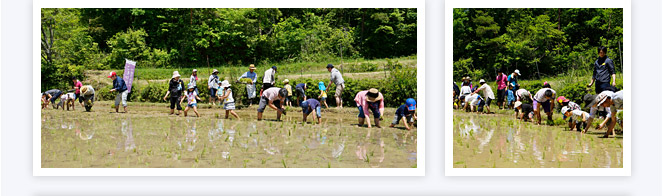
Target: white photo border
(421,96)
(448,51)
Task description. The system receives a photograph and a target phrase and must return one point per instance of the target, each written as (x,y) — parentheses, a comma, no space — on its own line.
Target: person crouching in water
(87,95)
(309,106)
(563,101)
(524,111)
(487,93)
(371,100)
(544,99)
(406,112)
(577,118)
(227,97)
(273,97)
(191,98)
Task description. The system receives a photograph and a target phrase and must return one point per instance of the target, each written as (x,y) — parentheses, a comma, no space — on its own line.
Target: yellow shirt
(289,88)
(323,94)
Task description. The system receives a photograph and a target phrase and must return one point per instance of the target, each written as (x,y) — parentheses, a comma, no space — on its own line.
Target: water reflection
(127,133)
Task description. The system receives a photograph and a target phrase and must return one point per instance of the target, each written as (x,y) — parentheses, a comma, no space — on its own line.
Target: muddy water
(498,140)
(149,137)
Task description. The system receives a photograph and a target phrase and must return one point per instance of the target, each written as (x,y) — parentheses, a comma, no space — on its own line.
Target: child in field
(581,117)
(510,97)
(288,87)
(227,97)
(523,95)
(564,102)
(323,94)
(526,111)
(487,93)
(406,113)
(309,106)
(191,97)
(67,100)
(472,102)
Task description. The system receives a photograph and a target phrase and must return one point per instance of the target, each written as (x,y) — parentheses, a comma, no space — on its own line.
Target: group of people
(527,107)
(220,91)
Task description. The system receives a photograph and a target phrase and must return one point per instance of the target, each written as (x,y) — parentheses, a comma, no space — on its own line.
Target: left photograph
(228,88)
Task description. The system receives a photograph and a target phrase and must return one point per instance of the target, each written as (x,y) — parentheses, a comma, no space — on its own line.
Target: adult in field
(487,93)
(50,96)
(87,95)
(611,101)
(251,85)
(120,87)
(268,80)
(77,87)
(301,91)
(308,107)
(523,95)
(337,79)
(513,79)
(176,92)
(472,102)
(274,98)
(193,80)
(544,99)
(604,69)
(213,85)
(501,88)
(371,100)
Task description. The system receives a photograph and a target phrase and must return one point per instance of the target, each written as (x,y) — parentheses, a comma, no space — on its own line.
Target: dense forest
(539,42)
(74,40)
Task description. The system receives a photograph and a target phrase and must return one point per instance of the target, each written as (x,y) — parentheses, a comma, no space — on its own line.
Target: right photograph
(538,88)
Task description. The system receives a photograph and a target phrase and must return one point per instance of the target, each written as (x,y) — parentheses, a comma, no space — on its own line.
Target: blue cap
(273,67)
(330,65)
(305,107)
(411,104)
(321,85)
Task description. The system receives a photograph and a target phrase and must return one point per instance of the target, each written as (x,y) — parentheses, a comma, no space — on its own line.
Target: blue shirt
(402,110)
(313,104)
(119,85)
(253,76)
(512,80)
(300,85)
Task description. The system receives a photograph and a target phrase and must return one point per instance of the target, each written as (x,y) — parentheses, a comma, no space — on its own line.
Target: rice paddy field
(500,141)
(148,137)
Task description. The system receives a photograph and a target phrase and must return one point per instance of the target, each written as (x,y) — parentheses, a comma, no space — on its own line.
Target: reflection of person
(309,106)
(604,69)
(251,86)
(274,98)
(337,79)
(121,87)
(371,100)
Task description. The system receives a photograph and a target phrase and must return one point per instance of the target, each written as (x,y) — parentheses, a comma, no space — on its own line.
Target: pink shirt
(79,85)
(360,99)
(501,82)
(271,93)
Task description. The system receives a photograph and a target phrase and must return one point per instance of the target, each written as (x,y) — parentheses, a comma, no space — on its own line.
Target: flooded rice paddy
(500,141)
(147,137)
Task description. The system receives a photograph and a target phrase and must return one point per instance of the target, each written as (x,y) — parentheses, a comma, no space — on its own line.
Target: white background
(16,129)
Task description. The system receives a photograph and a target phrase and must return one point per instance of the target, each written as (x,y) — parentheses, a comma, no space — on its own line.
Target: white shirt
(577,114)
(540,95)
(269,76)
(472,99)
(487,91)
(465,90)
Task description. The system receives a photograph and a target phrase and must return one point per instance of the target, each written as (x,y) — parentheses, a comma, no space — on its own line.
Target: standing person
(301,91)
(77,87)
(337,79)
(487,93)
(228,101)
(542,100)
(274,98)
(87,95)
(510,96)
(309,106)
(465,90)
(191,98)
(323,93)
(251,85)
(175,90)
(288,87)
(121,87)
(604,69)
(501,88)
(194,80)
(268,79)
(406,113)
(513,79)
(212,85)
(50,96)
(369,99)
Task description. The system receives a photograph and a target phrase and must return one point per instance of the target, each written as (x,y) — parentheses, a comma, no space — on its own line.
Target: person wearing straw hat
(120,87)
(226,94)
(268,79)
(251,85)
(175,90)
(87,95)
(212,85)
(336,78)
(487,93)
(371,100)
(611,101)
(288,87)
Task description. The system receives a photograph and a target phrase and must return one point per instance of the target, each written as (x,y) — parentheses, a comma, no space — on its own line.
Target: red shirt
(501,82)
(79,85)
